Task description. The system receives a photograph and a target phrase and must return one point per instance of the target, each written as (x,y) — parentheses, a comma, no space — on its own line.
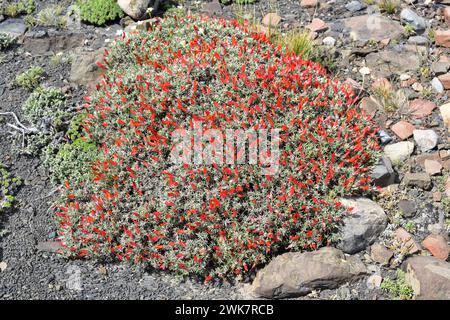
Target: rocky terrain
(393,246)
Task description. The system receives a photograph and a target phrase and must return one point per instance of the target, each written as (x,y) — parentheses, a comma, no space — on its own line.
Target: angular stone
(369,105)
(85,70)
(425,139)
(417,179)
(362,226)
(372,27)
(437,245)
(406,238)
(420,159)
(317,25)
(432,167)
(213,8)
(296,274)
(407,208)
(418,40)
(308,3)
(440,67)
(354,6)
(383,174)
(399,151)
(446,13)
(421,108)
(380,254)
(374,281)
(409,16)
(271,20)
(429,277)
(403,129)
(389,62)
(442,38)
(437,85)
(445,113)
(445,80)
(137,9)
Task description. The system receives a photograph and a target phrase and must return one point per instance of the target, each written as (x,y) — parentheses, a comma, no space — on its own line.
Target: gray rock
(425,139)
(354,6)
(213,8)
(429,277)
(372,26)
(137,9)
(383,174)
(329,41)
(440,67)
(384,137)
(13,27)
(417,179)
(407,208)
(362,226)
(379,253)
(392,62)
(2,18)
(399,151)
(418,40)
(437,85)
(296,274)
(85,70)
(409,16)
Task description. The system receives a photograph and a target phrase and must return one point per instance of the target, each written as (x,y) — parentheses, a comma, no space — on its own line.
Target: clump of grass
(409,29)
(390,100)
(398,289)
(30,79)
(298,42)
(6,41)
(389,6)
(14,9)
(52,16)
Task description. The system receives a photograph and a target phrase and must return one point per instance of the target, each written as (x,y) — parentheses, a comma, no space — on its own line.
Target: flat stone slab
(13,27)
(372,27)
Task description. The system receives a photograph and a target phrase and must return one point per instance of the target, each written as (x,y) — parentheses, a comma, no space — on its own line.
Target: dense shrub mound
(219,219)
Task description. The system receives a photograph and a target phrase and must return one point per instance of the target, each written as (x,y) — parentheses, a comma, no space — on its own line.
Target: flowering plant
(220,219)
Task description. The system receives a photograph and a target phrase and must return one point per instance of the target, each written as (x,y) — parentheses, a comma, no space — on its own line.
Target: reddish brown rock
(443,38)
(445,80)
(432,167)
(421,158)
(309,3)
(369,105)
(271,20)
(437,245)
(317,25)
(379,253)
(403,129)
(421,108)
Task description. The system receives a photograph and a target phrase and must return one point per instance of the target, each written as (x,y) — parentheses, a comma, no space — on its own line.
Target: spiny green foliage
(14,8)
(6,41)
(398,289)
(31,78)
(51,16)
(8,187)
(99,12)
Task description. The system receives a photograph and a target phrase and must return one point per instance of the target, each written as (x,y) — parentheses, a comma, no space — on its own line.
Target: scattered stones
(362,226)
(432,167)
(403,129)
(442,38)
(354,6)
(317,25)
(271,20)
(404,237)
(437,85)
(425,139)
(417,179)
(421,108)
(13,27)
(437,245)
(375,27)
(297,274)
(380,254)
(429,277)
(409,16)
(329,41)
(137,9)
(445,113)
(308,3)
(399,151)
(407,208)
(383,174)
(445,80)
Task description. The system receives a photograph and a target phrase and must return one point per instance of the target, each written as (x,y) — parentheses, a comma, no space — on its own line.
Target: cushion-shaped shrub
(99,12)
(219,219)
